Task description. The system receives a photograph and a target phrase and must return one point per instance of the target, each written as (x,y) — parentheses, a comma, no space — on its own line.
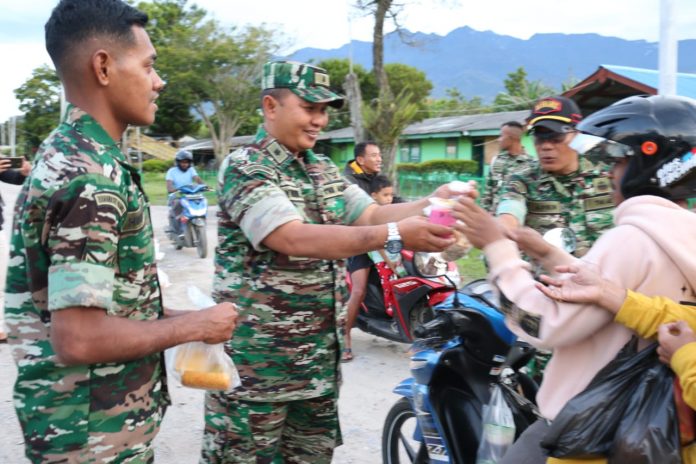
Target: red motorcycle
(394,306)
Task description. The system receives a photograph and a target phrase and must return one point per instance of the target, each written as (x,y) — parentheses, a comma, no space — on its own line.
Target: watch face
(394,246)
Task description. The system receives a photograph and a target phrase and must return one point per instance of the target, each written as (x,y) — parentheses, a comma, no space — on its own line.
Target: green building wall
(429,148)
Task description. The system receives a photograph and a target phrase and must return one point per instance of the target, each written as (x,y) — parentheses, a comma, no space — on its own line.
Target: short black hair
(516,124)
(74,21)
(278,94)
(360,148)
(379,182)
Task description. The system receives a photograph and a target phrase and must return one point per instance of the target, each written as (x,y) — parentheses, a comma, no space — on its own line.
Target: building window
(410,152)
(451,148)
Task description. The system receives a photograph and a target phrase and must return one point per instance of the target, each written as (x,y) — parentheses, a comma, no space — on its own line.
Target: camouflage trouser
(246,432)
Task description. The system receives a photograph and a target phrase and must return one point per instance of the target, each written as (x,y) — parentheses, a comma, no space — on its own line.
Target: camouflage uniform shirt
(501,168)
(581,201)
(82,237)
(291,308)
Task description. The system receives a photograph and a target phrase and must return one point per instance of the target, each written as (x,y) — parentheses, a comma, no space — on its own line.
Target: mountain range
(476,63)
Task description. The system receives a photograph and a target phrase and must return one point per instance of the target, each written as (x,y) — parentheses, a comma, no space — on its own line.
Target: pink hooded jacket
(652,250)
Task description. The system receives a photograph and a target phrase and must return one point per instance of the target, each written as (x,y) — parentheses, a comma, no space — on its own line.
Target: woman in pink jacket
(651,143)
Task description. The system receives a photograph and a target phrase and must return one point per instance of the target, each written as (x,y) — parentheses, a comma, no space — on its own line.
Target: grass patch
(472,267)
(156,188)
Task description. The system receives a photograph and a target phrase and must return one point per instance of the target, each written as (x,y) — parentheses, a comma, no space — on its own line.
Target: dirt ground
(366,394)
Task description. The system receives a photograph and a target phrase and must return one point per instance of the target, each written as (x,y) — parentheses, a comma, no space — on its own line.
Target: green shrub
(449,166)
(155,165)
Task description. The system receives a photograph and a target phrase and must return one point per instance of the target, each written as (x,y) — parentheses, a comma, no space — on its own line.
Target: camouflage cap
(306,81)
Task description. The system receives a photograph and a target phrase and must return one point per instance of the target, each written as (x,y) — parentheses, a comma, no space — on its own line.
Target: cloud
(20,59)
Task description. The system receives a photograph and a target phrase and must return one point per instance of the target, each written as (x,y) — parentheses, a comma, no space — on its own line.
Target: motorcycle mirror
(429,265)
(432,265)
(563,238)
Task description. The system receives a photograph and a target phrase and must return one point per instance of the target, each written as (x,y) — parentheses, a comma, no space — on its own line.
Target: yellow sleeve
(645,314)
(684,365)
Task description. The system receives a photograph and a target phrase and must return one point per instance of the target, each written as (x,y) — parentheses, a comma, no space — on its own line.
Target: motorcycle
(394,307)
(194,209)
(457,356)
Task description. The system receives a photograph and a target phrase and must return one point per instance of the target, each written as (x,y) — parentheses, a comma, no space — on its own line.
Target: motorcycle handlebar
(444,325)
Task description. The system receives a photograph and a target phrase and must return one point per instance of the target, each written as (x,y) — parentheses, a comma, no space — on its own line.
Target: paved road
(365,395)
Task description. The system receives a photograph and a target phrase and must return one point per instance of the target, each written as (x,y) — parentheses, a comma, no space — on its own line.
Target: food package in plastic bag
(498,429)
(626,413)
(202,365)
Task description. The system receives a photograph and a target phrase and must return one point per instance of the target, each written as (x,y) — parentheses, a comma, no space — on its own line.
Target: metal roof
(207,144)
(609,84)
(686,83)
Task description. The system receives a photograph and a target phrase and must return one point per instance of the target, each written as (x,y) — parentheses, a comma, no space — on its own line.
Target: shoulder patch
(110,199)
(277,152)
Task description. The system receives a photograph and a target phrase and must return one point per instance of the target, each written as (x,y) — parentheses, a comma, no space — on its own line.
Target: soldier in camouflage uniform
(511,159)
(282,239)
(83,300)
(562,190)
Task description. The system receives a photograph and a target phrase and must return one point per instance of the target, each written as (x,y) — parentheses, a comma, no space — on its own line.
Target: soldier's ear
(269,105)
(101,63)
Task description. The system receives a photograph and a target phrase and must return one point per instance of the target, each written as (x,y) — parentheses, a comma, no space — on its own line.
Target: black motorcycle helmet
(658,134)
(183,155)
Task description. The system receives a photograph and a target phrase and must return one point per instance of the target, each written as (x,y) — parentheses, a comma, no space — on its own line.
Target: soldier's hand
(457,189)
(418,234)
(530,242)
(217,323)
(4,165)
(477,224)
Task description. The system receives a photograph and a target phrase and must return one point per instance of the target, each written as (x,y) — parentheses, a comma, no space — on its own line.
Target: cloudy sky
(331,23)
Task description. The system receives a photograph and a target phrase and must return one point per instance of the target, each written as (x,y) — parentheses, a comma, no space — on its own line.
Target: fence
(416,185)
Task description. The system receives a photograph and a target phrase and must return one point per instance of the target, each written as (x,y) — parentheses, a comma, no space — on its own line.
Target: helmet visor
(599,149)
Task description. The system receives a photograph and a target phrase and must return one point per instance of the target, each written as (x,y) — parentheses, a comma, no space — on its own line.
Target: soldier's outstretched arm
(82,335)
(324,241)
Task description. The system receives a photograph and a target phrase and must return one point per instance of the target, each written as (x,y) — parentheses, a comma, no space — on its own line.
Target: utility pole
(352,88)
(668,50)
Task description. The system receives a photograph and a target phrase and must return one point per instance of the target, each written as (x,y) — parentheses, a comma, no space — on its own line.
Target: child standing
(382,191)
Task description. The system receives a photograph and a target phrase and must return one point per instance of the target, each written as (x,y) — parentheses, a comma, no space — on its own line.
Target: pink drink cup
(441,214)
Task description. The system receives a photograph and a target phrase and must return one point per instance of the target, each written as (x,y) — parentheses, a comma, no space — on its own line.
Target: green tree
(169,22)
(338,69)
(521,93)
(212,69)
(39,99)
(455,104)
(401,77)
(390,112)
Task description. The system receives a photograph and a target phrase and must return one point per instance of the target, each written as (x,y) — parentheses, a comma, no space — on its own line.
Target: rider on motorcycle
(182,174)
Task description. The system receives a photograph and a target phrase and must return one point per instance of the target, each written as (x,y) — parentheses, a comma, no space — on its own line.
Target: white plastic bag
(498,429)
(201,365)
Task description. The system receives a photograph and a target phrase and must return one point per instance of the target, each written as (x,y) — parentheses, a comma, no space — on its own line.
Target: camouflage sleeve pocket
(80,284)
(265,216)
(83,220)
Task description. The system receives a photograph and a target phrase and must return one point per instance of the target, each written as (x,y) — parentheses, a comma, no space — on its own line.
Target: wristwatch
(393,244)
